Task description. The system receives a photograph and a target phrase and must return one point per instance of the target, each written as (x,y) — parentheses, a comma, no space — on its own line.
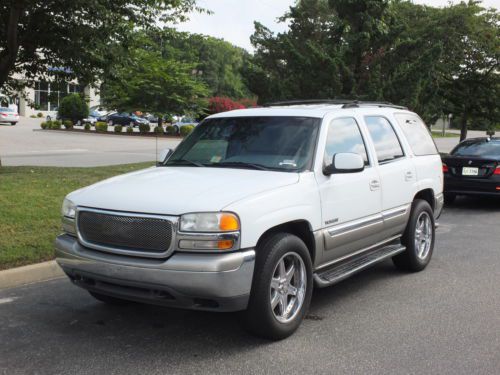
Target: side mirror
(164,155)
(345,162)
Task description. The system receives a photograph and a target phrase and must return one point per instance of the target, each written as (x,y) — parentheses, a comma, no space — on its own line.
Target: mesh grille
(132,233)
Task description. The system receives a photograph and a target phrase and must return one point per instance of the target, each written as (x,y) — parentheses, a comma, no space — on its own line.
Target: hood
(179,190)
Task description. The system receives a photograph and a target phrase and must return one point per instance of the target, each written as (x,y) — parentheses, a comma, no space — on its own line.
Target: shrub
(144,128)
(101,127)
(33,116)
(158,130)
(248,102)
(55,124)
(48,124)
(43,125)
(130,129)
(73,107)
(118,128)
(187,129)
(68,124)
(39,114)
(86,127)
(170,130)
(219,104)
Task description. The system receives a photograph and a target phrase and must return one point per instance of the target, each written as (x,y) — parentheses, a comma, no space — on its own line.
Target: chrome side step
(339,272)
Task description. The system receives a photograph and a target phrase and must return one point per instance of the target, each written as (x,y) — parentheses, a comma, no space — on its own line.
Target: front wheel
(418,239)
(281,289)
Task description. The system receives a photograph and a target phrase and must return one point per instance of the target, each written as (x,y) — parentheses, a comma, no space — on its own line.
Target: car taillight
(497,170)
(3,114)
(445,168)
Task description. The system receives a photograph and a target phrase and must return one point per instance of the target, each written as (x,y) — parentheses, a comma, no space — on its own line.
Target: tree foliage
(73,107)
(433,60)
(76,35)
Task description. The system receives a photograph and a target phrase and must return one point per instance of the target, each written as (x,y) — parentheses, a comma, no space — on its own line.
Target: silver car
(8,115)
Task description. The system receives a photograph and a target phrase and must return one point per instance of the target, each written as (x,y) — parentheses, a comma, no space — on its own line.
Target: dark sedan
(472,168)
(126,119)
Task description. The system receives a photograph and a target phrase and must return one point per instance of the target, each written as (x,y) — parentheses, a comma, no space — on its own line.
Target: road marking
(7,300)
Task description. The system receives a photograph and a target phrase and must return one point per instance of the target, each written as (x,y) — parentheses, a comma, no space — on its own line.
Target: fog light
(206,245)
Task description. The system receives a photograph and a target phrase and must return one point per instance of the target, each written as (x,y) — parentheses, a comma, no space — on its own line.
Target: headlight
(209,222)
(68,208)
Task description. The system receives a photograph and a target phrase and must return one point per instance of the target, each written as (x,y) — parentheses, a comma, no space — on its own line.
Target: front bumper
(217,282)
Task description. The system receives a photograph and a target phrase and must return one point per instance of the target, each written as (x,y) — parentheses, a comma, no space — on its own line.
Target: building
(46,95)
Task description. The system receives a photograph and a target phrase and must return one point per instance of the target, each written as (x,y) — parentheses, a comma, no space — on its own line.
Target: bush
(68,124)
(101,127)
(130,129)
(55,124)
(39,114)
(33,116)
(73,107)
(170,130)
(187,129)
(158,130)
(118,128)
(48,124)
(86,127)
(44,125)
(144,128)
(219,104)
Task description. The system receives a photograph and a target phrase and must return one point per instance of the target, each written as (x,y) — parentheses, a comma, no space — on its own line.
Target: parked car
(258,207)
(8,115)
(104,117)
(183,122)
(125,119)
(53,114)
(91,119)
(100,111)
(472,168)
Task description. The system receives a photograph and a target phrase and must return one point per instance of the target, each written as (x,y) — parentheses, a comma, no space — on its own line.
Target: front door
(351,202)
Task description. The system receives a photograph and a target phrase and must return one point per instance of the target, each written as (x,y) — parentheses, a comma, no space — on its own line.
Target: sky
(232,20)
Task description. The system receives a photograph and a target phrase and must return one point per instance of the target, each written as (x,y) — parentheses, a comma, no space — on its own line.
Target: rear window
(417,134)
(482,148)
(5,109)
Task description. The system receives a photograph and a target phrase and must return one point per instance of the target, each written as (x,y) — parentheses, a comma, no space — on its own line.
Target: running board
(342,271)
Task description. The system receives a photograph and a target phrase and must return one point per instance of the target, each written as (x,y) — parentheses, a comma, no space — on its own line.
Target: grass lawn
(439,134)
(30,207)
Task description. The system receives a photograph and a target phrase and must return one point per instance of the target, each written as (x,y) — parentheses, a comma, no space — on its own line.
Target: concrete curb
(30,274)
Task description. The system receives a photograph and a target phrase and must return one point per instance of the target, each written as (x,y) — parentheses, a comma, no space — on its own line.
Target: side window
(344,136)
(384,138)
(417,134)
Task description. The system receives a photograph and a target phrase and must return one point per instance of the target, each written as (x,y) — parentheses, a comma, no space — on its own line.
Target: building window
(49,95)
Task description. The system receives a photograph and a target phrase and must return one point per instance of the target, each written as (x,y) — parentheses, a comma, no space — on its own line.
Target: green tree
(76,34)
(73,107)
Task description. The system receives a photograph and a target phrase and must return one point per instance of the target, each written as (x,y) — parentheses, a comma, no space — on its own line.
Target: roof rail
(346,103)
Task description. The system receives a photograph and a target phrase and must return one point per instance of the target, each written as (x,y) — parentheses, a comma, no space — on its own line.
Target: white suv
(258,206)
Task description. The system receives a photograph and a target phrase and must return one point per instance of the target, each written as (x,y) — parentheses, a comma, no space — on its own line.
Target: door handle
(408,175)
(374,184)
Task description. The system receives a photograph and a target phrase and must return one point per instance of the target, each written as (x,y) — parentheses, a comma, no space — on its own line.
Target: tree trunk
(463,126)
(9,54)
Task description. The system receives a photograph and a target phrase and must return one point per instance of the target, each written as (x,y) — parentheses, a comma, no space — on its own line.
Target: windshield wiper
(182,161)
(241,164)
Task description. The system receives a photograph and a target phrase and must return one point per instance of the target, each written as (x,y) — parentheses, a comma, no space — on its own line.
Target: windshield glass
(481,148)
(275,143)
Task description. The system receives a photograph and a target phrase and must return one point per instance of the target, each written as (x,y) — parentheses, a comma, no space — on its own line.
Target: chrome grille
(141,235)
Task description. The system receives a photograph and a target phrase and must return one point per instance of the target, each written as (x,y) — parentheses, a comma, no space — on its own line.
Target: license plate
(469,171)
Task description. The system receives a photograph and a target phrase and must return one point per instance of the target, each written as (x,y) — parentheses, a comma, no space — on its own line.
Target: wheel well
(300,228)
(426,195)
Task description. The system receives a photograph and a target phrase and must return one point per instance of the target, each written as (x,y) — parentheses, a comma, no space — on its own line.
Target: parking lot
(444,320)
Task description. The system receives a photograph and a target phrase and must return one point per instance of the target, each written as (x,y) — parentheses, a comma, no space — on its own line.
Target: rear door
(397,174)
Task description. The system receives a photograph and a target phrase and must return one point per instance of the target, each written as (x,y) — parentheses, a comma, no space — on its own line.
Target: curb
(30,274)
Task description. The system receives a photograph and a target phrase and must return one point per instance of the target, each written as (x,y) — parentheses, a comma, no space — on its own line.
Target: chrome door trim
(395,212)
(173,219)
(357,252)
(357,224)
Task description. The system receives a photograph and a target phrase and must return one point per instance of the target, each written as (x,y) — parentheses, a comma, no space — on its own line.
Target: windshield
(478,148)
(274,143)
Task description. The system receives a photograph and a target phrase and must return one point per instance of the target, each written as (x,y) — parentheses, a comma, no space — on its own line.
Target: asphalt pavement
(444,320)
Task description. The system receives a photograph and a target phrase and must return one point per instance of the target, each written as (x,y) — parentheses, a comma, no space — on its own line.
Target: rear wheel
(418,239)
(281,289)
(108,299)
(449,198)
(13,123)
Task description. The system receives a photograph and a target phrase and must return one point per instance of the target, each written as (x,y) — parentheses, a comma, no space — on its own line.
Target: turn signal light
(228,222)
(225,244)
(445,168)
(497,171)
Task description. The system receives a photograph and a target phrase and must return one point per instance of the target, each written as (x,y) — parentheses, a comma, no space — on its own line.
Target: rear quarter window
(417,134)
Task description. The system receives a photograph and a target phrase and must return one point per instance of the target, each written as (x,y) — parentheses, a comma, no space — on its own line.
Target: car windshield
(478,148)
(273,143)
(5,109)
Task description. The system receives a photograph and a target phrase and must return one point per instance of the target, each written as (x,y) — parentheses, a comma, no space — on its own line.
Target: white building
(46,95)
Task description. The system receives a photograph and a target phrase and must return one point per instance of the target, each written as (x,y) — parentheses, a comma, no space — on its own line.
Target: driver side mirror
(164,155)
(345,162)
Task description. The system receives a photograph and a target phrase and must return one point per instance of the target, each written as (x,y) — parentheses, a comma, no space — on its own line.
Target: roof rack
(346,103)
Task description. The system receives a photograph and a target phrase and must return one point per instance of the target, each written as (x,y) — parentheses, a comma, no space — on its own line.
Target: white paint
(7,300)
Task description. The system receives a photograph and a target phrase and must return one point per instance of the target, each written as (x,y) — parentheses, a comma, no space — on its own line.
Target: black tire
(409,260)
(259,318)
(449,198)
(13,123)
(108,299)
